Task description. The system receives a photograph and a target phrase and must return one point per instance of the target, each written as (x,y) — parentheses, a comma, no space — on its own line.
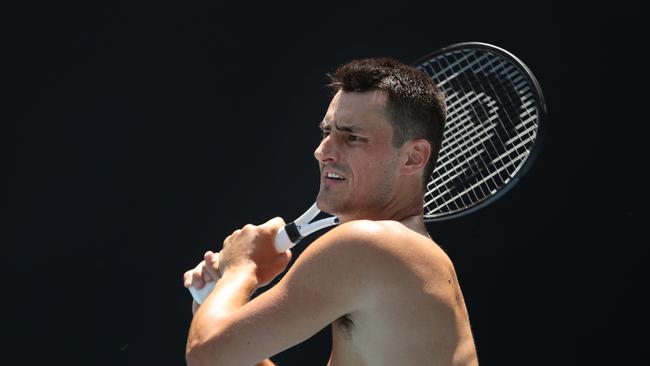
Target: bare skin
(390,293)
(418,316)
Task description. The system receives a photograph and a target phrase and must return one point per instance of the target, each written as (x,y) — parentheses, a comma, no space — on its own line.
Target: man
(390,293)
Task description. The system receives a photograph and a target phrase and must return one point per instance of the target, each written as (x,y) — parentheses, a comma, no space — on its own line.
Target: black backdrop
(142,134)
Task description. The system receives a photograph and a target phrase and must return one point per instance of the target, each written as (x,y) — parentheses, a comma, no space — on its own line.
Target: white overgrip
(201,294)
(282,241)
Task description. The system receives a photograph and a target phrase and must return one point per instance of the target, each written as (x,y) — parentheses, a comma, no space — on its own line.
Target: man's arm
(329,280)
(231,292)
(241,278)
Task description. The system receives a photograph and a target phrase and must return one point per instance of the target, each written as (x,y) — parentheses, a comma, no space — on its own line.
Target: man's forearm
(233,290)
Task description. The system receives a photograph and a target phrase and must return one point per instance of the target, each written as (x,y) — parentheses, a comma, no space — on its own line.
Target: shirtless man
(390,293)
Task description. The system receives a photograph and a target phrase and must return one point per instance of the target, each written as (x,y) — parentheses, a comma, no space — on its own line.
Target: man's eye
(353,138)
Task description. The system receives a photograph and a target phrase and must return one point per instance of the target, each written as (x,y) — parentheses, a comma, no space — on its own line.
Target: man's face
(357,160)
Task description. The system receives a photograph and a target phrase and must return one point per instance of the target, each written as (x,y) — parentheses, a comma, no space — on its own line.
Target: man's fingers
(274,224)
(277,221)
(194,277)
(288,255)
(187,279)
(204,272)
(206,276)
(212,265)
(197,279)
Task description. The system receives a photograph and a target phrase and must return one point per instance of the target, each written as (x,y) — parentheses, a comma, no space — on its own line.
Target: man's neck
(416,223)
(409,215)
(404,207)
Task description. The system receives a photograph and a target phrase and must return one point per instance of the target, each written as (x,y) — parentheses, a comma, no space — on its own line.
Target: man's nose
(326,151)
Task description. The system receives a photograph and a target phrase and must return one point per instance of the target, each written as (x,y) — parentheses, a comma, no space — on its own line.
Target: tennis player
(388,290)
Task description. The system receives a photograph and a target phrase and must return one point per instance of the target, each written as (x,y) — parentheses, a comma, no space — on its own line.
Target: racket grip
(283,240)
(199,294)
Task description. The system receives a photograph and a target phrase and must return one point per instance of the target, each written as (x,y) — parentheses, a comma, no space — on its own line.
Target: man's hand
(247,246)
(253,246)
(206,271)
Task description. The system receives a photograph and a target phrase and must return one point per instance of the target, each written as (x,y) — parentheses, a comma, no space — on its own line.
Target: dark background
(140,135)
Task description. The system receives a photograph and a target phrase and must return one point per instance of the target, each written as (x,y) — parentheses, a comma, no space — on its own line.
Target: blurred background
(140,134)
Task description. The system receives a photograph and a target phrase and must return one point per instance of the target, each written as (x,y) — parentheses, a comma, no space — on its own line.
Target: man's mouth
(335,176)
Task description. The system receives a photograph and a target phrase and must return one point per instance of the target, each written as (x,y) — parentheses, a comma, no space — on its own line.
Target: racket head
(495,110)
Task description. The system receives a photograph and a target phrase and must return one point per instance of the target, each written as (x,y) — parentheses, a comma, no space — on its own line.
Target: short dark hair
(415,107)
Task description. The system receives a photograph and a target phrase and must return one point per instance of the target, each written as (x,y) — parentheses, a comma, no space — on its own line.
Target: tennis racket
(495,109)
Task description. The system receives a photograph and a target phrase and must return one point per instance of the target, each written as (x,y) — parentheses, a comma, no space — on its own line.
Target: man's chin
(326,205)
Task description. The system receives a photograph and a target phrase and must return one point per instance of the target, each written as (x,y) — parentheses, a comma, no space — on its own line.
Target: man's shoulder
(371,229)
(377,259)
(368,234)
(379,242)
(350,237)
(384,234)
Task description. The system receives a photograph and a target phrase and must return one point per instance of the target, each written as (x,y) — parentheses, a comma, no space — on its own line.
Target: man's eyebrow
(327,125)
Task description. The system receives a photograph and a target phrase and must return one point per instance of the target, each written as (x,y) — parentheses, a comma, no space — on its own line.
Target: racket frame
(542,111)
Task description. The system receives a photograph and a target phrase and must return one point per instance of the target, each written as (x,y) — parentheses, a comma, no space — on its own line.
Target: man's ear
(417,153)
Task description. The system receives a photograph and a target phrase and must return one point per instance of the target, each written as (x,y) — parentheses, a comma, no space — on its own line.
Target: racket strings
(491,125)
(474,111)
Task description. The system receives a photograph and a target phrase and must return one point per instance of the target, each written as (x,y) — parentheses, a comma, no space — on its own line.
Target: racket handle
(199,295)
(287,237)
(282,243)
